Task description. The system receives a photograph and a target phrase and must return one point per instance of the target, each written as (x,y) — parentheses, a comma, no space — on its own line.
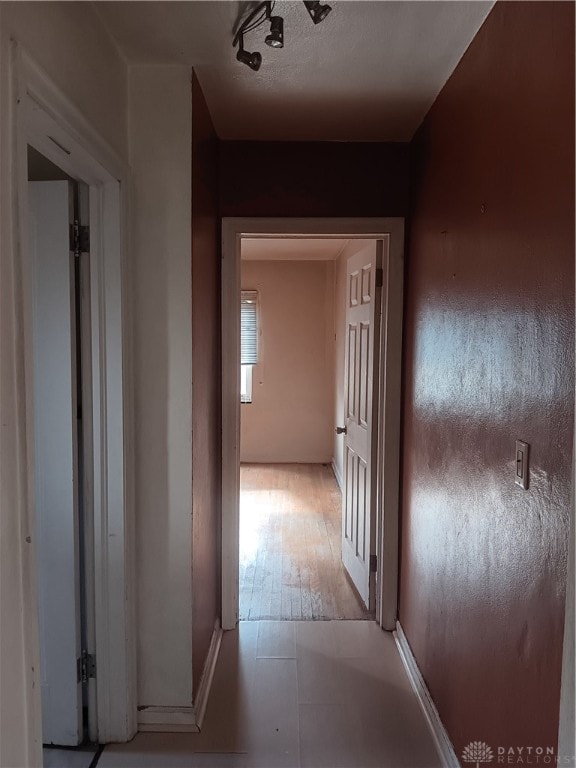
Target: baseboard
(442,741)
(168,719)
(208,674)
(185,719)
(337,475)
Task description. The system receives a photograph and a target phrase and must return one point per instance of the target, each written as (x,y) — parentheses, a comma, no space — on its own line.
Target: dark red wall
(206,465)
(313,179)
(489,358)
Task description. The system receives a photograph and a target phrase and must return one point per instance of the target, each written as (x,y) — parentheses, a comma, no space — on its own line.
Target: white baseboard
(168,719)
(442,741)
(208,674)
(185,719)
(337,475)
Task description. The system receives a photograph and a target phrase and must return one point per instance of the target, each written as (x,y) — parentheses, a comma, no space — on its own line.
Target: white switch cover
(521,463)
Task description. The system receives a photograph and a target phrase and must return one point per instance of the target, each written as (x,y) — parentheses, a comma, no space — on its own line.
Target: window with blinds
(249,327)
(248,342)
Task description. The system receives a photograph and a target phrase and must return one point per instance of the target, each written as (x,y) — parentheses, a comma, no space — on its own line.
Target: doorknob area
(341,430)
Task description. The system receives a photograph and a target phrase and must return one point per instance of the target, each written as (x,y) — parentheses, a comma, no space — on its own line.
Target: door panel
(360,388)
(55,459)
(363,370)
(350,363)
(349,496)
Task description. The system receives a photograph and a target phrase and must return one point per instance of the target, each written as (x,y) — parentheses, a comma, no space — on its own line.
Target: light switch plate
(522,464)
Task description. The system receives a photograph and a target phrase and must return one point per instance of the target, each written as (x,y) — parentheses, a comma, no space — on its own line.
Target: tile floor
(294,694)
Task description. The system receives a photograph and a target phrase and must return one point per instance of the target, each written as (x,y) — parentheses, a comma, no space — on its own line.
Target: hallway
(309,694)
(209,165)
(290,545)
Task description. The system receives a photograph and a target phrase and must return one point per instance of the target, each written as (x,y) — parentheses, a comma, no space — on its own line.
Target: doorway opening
(292,384)
(76,501)
(58,241)
(334,337)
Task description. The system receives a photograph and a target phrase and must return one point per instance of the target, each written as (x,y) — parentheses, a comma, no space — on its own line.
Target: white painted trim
(44,118)
(22,284)
(168,720)
(337,474)
(230,423)
(185,719)
(442,741)
(208,674)
(70,125)
(389,426)
(233,229)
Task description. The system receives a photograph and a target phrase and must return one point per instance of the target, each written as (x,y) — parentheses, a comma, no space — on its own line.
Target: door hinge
(373,563)
(86,667)
(79,238)
(379,277)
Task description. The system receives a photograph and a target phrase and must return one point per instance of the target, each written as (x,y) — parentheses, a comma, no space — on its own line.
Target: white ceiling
(369,72)
(290,248)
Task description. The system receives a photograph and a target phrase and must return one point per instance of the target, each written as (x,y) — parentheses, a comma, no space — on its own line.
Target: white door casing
(55,458)
(44,118)
(390,230)
(362,337)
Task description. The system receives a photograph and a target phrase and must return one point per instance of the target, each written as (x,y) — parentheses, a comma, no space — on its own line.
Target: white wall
(68,41)
(160,117)
(291,418)
(71,44)
(339,338)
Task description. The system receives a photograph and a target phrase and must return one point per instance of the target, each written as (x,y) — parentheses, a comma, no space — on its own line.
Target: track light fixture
(317,11)
(275,39)
(252,60)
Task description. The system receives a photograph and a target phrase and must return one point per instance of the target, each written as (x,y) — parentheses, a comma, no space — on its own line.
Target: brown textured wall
(313,179)
(206,463)
(489,358)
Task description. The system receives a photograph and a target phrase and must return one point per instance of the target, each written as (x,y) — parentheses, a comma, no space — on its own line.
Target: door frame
(388,479)
(44,118)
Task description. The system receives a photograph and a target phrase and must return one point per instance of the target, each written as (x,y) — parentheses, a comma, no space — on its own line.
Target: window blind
(249,327)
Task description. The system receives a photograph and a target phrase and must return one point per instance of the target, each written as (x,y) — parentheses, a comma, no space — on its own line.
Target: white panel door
(363,310)
(55,460)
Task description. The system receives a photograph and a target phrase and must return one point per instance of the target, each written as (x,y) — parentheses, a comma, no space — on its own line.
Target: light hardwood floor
(290,548)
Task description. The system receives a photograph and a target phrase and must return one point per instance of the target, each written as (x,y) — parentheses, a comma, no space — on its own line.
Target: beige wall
(291,418)
(71,45)
(160,157)
(339,331)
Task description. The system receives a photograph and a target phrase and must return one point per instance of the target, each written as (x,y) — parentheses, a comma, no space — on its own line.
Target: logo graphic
(477,752)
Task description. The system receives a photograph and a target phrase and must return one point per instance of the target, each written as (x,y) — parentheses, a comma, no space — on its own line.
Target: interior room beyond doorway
(293,312)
